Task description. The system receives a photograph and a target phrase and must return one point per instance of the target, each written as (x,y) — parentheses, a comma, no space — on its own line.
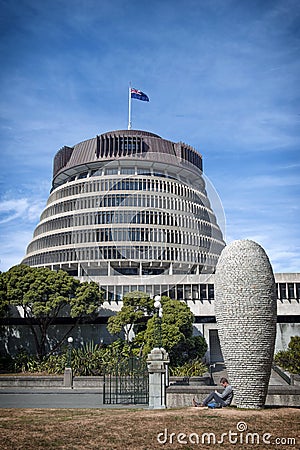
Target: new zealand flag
(139,95)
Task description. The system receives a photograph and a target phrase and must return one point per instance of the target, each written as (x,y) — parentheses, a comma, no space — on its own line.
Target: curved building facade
(129,210)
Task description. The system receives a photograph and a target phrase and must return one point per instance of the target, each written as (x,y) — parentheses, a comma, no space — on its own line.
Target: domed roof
(120,144)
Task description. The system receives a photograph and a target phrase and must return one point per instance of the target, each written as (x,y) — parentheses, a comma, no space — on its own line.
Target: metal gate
(126,382)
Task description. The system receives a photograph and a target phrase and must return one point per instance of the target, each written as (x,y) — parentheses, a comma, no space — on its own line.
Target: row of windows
(133,200)
(149,217)
(121,170)
(193,291)
(288,290)
(136,253)
(59,223)
(130,184)
(168,236)
(179,291)
(146,217)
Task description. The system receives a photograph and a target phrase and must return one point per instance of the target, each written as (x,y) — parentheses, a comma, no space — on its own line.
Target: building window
(111,171)
(127,170)
(211,293)
(291,292)
(282,290)
(179,292)
(82,175)
(203,294)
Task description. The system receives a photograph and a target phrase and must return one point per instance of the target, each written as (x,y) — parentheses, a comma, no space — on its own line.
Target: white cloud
(23,208)
(279,242)
(17,220)
(13,248)
(262,181)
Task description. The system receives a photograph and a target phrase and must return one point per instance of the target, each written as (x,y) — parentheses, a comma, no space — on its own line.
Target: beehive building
(129,210)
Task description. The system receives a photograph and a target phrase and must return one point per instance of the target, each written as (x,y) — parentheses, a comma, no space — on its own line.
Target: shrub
(53,364)
(87,360)
(290,359)
(194,368)
(24,362)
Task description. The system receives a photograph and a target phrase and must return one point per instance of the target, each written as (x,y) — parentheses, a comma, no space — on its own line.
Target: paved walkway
(55,398)
(50,398)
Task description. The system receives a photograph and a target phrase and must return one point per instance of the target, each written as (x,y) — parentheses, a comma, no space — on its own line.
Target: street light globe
(70,340)
(157,304)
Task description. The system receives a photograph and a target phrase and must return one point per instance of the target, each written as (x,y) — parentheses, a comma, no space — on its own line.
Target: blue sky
(222,76)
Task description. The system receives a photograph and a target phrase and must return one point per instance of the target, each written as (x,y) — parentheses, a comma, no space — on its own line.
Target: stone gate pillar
(157,361)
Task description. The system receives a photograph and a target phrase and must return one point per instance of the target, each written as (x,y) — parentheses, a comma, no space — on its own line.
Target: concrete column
(68,378)
(157,361)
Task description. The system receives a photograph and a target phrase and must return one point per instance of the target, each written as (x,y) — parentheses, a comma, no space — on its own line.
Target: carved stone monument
(245,307)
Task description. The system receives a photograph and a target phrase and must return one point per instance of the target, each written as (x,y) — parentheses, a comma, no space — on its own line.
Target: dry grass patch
(122,429)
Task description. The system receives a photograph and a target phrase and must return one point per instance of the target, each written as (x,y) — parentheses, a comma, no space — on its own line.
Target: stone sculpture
(245,307)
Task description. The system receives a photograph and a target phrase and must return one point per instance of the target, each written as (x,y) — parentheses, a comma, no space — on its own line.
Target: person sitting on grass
(223,399)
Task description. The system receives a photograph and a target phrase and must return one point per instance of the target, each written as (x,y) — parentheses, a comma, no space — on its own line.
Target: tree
(3,297)
(176,332)
(43,295)
(136,307)
(138,314)
(290,359)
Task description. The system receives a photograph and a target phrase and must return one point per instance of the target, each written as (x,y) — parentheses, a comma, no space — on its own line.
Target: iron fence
(126,382)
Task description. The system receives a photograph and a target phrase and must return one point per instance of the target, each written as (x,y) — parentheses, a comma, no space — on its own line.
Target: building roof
(128,144)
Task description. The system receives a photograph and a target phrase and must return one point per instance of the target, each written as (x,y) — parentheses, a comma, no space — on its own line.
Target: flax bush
(89,359)
(194,368)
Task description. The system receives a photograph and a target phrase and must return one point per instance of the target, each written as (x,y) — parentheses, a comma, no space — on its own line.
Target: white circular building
(129,210)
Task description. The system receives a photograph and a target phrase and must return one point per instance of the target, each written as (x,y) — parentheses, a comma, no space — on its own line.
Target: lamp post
(157,361)
(211,367)
(157,327)
(68,376)
(70,342)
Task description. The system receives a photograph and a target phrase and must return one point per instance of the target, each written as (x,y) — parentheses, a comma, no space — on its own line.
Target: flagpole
(129,107)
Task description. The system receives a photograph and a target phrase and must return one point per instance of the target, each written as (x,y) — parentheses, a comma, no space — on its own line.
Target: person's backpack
(214,405)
